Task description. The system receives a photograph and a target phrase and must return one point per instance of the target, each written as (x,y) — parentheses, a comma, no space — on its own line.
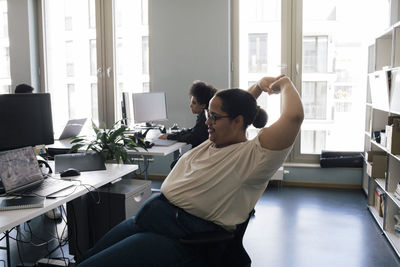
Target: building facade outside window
(95,64)
(330,70)
(5,79)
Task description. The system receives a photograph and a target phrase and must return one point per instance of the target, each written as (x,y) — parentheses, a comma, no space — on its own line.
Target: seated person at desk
(200,94)
(23,88)
(213,186)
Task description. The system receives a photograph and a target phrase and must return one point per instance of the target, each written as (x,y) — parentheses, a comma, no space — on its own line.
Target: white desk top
(91,180)
(158,150)
(154,151)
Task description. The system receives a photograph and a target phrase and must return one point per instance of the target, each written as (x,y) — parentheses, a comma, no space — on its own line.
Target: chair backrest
(235,253)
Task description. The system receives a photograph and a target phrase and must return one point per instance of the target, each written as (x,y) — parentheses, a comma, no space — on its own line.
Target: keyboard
(49,186)
(163,142)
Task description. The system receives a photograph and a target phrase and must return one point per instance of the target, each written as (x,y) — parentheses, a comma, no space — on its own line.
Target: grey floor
(291,227)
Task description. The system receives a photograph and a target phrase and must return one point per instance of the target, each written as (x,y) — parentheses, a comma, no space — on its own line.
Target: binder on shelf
(379,82)
(376,163)
(21,203)
(393,135)
(395,91)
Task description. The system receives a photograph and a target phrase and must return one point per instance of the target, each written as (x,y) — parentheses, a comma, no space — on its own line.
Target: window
(314,95)
(71,100)
(5,79)
(94,102)
(86,64)
(145,55)
(68,11)
(258,47)
(93,57)
(259,40)
(315,54)
(322,46)
(5,67)
(92,14)
(333,74)
(132,48)
(69,58)
(313,141)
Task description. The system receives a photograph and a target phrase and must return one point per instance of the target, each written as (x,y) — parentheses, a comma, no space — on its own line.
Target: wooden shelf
(395,200)
(394,240)
(383,101)
(381,182)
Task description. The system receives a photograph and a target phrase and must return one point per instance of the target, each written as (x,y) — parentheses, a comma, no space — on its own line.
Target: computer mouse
(175,127)
(148,144)
(70,172)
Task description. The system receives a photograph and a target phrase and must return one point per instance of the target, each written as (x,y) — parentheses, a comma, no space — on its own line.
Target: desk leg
(7,248)
(146,163)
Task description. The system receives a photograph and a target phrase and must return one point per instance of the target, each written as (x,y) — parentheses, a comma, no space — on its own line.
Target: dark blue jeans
(151,238)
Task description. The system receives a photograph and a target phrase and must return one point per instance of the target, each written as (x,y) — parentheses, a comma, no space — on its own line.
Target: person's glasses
(213,117)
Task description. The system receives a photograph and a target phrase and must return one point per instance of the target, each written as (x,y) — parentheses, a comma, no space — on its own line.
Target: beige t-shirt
(222,185)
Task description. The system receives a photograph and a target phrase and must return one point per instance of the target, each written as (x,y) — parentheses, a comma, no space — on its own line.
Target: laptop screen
(72,129)
(19,168)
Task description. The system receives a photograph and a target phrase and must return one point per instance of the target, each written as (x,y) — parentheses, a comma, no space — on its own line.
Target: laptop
(21,175)
(86,161)
(72,129)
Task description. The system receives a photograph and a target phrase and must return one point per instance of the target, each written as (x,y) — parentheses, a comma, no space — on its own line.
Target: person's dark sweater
(194,136)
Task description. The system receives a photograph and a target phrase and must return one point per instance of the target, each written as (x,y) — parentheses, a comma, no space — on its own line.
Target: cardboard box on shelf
(376,163)
(393,135)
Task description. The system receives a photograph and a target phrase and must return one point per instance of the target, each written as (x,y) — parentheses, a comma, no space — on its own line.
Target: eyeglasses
(212,116)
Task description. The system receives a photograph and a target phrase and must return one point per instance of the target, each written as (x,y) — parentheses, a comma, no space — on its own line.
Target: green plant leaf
(75,148)
(117,133)
(95,128)
(78,139)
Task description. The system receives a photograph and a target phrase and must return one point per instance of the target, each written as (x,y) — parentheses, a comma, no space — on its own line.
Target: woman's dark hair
(202,91)
(237,102)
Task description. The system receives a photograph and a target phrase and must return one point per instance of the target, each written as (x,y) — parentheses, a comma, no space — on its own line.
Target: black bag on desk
(331,159)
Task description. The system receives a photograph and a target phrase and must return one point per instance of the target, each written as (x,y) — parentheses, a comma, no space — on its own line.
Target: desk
(157,151)
(65,145)
(96,179)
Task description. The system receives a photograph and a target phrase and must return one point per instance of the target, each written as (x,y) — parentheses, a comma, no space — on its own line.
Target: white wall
(189,40)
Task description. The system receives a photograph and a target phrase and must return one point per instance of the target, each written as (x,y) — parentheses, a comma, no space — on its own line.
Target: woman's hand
(163,136)
(271,85)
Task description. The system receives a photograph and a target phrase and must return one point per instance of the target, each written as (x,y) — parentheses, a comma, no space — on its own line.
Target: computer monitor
(126,107)
(149,107)
(25,120)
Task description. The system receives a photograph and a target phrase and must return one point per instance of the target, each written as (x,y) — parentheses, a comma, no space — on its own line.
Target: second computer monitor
(149,107)
(25,120)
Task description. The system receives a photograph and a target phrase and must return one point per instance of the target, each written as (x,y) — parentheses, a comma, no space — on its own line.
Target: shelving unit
(383,103)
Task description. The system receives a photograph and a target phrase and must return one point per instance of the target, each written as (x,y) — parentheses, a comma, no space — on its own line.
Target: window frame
(105,56)
(291,57)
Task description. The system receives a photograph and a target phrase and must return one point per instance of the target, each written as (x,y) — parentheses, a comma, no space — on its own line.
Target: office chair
(221,248)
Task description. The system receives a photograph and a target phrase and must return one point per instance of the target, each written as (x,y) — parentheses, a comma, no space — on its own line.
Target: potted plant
(112,143)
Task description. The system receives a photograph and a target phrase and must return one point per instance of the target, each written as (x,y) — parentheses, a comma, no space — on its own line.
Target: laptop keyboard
(49,186)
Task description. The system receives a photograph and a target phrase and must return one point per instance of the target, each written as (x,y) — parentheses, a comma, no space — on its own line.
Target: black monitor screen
(25,120)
